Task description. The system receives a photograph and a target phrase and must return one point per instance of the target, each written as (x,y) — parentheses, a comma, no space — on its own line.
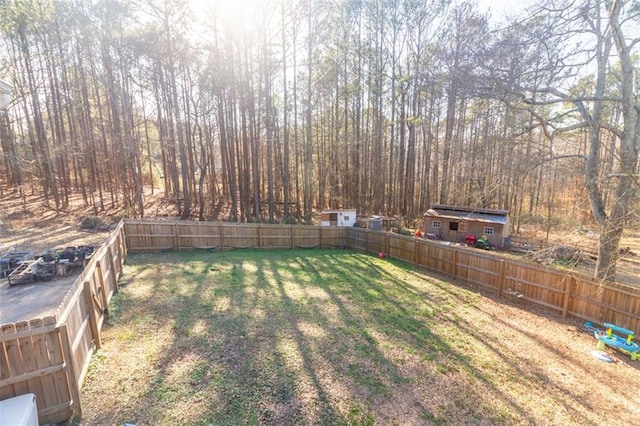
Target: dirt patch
(582,243)
(29,225)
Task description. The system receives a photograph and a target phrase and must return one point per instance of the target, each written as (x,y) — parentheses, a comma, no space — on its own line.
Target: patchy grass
(337,337)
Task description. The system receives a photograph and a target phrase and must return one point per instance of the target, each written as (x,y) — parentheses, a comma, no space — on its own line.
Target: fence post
(416,251)
(367,240)
(175,229)
(503,274)
(91,311)
(56,357)
(320,236)
(122,241)
(293,237)
(102,290)
(112,266)
(387,248)
(454,268)
(568,287)
(72,380)
(259,235)
(221,237)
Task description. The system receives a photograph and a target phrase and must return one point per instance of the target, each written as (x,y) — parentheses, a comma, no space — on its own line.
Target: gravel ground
(34,300)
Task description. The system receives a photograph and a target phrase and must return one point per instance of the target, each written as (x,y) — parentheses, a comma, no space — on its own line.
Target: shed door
(452,231)
(333,219)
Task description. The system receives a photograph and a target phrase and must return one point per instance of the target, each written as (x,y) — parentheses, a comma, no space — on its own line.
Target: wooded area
(268,111)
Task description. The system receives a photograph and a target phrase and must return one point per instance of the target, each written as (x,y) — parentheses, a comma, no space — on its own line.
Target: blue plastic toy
(608,338)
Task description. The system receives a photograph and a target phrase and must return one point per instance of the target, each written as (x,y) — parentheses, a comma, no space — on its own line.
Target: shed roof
(338,210)
(469,213)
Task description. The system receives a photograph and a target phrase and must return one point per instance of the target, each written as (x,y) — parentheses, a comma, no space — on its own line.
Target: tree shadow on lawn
(295,348)
(542,379)
(393,311)
(388,309)
(309,337)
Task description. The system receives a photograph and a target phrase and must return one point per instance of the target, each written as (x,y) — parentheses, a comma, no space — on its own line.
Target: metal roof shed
(454,223)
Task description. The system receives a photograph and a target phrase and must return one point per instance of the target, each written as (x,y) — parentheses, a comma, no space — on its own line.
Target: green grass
(298,337)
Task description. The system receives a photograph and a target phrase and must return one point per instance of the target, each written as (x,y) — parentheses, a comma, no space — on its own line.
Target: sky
(500,9)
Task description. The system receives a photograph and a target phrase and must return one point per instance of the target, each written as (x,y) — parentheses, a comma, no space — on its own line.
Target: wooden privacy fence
(50,357)
(567,293)
(164,235)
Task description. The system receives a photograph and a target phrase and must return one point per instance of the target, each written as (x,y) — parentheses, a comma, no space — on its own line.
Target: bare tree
(578,42)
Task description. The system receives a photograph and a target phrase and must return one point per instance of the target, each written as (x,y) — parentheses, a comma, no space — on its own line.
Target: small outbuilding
(378,222)
(345,217)
(457,224)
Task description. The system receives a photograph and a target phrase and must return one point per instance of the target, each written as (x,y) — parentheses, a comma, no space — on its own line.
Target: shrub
(91,222)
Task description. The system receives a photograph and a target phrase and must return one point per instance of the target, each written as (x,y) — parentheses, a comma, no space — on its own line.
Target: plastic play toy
(602,355)
(483,243)
(608,338)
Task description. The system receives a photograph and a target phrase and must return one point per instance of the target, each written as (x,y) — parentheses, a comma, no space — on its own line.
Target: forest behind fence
(50,356)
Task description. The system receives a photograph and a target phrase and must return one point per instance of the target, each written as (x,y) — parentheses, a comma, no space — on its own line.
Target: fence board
(40,362)
(74,387)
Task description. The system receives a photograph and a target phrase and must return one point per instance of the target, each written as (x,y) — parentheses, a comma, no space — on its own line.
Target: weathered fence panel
(615,303)
(402,248)
(567,293)
(32,361)
(331,236)
(50,357)
(367,240)
(306,236)
(151,235)
(438,257)
(163,235)
(480,269)
(537,284)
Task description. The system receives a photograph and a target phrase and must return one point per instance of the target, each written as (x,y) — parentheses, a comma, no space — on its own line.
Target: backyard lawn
(338,337)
